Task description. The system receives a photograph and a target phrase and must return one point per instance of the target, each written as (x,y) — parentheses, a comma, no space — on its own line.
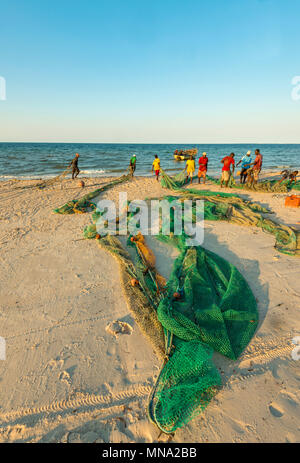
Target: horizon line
(153,143)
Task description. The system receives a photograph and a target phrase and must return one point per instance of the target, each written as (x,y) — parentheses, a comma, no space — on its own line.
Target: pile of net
(206,306)
(264,186)
(85,204)
(231,208)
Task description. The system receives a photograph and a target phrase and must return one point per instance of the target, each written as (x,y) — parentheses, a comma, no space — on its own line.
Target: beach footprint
(65,377)
(117,327)
(276,410)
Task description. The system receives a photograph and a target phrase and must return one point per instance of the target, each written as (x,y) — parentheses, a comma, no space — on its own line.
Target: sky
(149,71)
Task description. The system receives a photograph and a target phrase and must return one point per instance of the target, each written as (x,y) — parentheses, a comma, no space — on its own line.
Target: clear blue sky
(150,70)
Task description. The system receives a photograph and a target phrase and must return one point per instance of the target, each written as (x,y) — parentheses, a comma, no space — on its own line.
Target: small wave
(92,172)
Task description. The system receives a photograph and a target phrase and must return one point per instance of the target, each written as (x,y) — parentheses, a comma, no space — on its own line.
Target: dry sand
(79,370)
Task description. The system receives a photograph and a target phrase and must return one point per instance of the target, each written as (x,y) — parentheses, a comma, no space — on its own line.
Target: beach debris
(292,201)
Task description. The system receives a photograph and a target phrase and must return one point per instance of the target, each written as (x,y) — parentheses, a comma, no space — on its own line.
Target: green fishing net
(207,306)
(216,311)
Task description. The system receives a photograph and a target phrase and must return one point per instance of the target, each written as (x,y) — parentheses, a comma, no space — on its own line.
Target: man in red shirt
(226,172)
(253,172)
(257,166)
(202,168)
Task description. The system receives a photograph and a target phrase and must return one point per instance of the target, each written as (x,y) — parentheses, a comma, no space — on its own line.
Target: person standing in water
(156,166)
(202,168)
(132,165)
(190,168)
(74,165)
(245,161)
(226,172)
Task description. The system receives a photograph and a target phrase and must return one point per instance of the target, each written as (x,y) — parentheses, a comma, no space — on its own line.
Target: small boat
(184,155)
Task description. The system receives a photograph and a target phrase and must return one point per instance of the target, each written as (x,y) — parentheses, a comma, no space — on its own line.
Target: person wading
(74,164)
(132,165)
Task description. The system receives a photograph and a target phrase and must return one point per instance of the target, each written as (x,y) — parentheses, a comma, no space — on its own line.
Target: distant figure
(175,152)
(246,162)
(156,166)
(257,165)
(132,165)
(226,172)
(74,164)
(203,161)
(287,174)
(190,168)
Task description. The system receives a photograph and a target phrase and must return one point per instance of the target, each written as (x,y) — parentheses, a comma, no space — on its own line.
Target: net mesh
(206,306)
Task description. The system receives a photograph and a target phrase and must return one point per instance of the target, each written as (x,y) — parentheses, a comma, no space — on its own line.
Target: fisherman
(74,164)
(190,168)
(156,166)
(132,165)
(226,172)
(203,161)
(287,174)
(246,162)
(257,165)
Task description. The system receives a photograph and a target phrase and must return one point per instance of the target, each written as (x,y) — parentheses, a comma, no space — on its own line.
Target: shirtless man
(74,164)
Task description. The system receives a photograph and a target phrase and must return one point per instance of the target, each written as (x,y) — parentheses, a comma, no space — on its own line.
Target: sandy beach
(68,378)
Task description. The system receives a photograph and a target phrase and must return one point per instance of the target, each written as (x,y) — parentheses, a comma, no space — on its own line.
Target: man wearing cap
(132,165)
(245,161)
(203,161)
(74,164)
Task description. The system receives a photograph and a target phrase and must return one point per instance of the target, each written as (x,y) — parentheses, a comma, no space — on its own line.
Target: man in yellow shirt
(156,166)
(190,168)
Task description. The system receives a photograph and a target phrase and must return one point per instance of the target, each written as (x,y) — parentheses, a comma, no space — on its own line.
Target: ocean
(44,160)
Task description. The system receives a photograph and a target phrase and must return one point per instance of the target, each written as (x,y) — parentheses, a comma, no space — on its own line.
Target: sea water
(44,160)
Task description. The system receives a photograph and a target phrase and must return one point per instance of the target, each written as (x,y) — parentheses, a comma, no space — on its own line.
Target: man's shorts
(225,175)
(202,173)
(157,172)
(256,173)
(190,172)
